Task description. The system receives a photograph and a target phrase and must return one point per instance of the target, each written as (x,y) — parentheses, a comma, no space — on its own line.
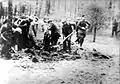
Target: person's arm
(88,25)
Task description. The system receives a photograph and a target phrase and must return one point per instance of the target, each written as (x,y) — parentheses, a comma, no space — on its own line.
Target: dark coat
(66,29)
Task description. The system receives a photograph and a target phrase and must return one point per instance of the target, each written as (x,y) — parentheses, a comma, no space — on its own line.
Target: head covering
(18,30)
(50,20)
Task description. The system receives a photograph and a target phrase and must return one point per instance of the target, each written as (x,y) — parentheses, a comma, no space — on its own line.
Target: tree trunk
(30,11)
(9,13)
(94,33)
(65,7)
(36,11)
(40,8)
(47,7)
(15,10)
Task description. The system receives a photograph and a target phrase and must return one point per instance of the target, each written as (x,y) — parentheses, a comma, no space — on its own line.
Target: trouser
(67,44)
(54,38)
(5,51)
(114,32)
(80,38)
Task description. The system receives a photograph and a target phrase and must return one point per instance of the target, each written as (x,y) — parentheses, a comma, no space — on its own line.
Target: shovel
(56,46)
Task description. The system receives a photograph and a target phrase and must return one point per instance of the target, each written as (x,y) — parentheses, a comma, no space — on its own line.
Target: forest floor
(79,71)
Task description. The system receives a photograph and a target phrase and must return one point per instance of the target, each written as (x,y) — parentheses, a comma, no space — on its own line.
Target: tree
(10,13)
(1,10)
(48,7)
(40,7)
(97,18)
(15,10)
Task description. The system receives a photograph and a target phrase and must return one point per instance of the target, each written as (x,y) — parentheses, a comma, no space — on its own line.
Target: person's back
(67,29)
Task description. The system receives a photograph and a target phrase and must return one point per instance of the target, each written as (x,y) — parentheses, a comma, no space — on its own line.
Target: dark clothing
(66,30)
(54,34)
(25,32)
(115,25)
(7,42)
(114,29)
(81,31)
(46,41)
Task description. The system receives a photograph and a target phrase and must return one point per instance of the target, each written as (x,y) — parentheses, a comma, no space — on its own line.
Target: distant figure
(114,27)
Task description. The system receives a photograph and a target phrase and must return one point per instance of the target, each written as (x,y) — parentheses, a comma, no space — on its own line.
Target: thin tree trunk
(15,10)
(36,11)
(40,8)
(94,33)
(47,7)
(9,13)
(65,7)
(30,11)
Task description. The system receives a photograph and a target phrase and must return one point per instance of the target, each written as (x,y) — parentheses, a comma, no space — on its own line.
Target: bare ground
(80,71)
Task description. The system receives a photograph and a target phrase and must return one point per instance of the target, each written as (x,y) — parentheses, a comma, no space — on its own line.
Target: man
(66,30)
(82,25)
(47,41)
(25,25)
(54,32)
(114,28)
(6,40)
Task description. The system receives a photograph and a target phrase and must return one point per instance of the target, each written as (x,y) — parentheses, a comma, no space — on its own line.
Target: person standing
(114,28)
(54,32)
(66,30)
(82,26)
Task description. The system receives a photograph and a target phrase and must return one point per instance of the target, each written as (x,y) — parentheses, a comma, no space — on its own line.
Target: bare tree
(15,10)
(10,13)
(48,7)
(1,9)
(40,8)
(97,18)
(36,11)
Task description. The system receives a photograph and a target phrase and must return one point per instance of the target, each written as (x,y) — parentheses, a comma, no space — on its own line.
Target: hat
(18,30)
(50,20)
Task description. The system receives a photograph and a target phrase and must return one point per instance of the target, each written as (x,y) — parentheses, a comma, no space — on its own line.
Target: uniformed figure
(66,30)
(114,28)
(82,25)
(54,33)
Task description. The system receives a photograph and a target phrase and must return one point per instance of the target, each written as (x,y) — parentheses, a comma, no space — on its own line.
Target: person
(82,25)
(114,27)
(6,40)
(25,26)
(47,41)
(54,32)
(66,30)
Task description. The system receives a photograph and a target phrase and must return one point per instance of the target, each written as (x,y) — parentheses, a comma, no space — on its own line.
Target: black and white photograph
(59,41)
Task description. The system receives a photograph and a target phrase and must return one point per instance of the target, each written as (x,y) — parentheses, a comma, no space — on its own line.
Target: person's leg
(64,46)
(116,33)
(81,42)
(69,45)
(112,33)
(82,39)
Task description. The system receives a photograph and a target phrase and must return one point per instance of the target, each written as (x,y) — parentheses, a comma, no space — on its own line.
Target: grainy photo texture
(59,41)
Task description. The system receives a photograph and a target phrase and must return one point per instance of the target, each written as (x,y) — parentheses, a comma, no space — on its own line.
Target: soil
(93,70)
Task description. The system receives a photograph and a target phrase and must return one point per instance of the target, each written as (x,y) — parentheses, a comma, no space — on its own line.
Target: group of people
(19,35)
(68,28)
(23,32)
